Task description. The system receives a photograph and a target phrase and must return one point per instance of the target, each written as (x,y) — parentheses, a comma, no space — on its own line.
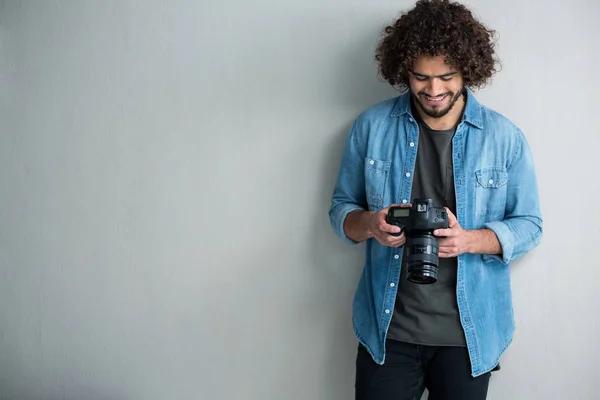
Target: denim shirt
(496,188)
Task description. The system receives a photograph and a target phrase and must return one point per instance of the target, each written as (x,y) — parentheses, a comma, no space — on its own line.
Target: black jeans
(409,369)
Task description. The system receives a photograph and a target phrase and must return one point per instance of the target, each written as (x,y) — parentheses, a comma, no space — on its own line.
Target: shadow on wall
(339,265)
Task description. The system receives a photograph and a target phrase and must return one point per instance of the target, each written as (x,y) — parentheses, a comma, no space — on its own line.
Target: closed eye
(443,78)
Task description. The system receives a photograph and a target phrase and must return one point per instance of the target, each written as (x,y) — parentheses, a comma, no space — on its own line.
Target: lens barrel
(422,258)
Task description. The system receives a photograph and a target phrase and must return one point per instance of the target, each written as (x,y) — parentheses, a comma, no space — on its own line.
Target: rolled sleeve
(521,229)
(337,217)
(349,191)
(506,239)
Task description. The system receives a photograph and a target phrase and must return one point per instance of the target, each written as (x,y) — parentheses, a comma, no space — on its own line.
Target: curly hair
(437,28)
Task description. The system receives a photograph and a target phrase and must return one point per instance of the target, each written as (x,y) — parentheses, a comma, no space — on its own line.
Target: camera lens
(422,259)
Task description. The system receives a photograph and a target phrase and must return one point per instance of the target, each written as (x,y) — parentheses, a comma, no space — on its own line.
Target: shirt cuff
(506,239)
(338,216)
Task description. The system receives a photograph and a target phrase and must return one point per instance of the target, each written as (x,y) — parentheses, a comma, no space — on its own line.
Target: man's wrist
(357,225)
(471,242)
(368,216)
(482,241)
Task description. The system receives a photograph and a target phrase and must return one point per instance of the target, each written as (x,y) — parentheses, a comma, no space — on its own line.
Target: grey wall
(165,172)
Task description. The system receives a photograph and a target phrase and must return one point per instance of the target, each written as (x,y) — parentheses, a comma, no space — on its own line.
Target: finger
(446,244)
(391,241)
(385,227)
(382,216)
(447,241)
(452,221)
(392,233)
(388,237)
(447,251)
(443,232)
(397,243)
(385,240)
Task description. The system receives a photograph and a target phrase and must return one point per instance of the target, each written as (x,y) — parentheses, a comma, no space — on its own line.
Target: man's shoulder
(375,121)
(380,111)
(496,123)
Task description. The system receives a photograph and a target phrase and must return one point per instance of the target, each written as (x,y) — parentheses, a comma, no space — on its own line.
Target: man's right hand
(382,231)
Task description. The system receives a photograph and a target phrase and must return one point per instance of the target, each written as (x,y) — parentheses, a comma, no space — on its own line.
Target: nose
(435,87)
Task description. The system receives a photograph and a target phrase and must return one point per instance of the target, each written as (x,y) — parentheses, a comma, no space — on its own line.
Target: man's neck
(448,121)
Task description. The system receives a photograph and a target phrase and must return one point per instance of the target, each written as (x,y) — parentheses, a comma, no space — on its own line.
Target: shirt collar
(471,115)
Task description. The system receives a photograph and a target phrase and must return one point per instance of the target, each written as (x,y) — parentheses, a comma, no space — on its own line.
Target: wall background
(165,173)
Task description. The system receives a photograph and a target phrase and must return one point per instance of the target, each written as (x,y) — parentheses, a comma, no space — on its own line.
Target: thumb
(451,218)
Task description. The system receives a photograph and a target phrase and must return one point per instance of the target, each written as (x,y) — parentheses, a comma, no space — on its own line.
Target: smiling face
(436,88)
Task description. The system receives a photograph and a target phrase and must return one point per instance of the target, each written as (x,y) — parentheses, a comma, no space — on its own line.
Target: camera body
(423,216)
(418,223)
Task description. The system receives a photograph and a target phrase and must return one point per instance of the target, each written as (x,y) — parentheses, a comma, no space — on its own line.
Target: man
(435,142)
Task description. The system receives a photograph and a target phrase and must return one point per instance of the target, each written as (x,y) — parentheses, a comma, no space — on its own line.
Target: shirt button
(407,174)
(396,256)
(387,311)
(392,284)
(412,144)
(404,201)
(371,162)
(491,181)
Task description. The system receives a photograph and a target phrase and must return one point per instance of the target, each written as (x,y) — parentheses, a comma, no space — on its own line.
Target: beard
(435,112)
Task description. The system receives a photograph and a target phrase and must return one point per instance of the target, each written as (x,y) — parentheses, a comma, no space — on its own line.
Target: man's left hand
(453,241)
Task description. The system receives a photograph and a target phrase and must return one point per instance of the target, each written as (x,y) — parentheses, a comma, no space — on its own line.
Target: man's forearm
(356,225)
(483,241)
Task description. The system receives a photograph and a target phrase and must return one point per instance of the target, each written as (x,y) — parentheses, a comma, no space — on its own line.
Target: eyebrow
(448,75)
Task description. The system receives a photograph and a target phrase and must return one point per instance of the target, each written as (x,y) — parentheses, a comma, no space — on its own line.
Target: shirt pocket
(376,176)
(490,192)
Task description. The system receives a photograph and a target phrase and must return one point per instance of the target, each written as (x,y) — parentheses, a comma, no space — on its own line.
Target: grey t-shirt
(428,314)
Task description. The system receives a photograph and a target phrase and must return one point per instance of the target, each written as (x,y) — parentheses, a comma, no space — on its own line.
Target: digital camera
(418,223)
